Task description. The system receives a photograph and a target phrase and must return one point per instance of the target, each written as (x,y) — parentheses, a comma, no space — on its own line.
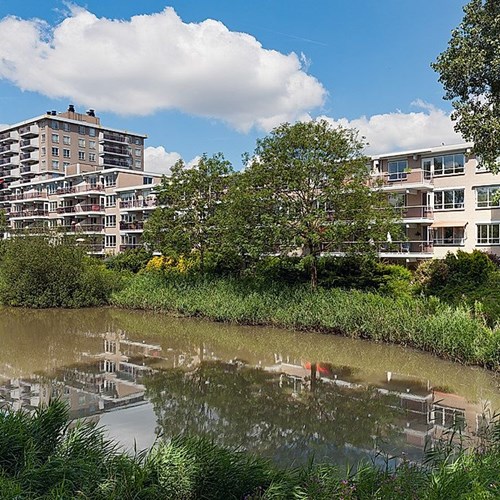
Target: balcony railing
(130,246)
(416,212)
(27,196)
(138,203)
(80,189)
(109,136)
(132,226)
(114,162)
(30,130)
(385,247)
(83,228)
(400,179)
(30,213)
(80,208)
(114,150)
(448,242)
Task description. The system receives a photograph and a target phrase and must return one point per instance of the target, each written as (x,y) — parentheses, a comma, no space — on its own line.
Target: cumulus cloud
(154,62)
(398,131)
(159,161)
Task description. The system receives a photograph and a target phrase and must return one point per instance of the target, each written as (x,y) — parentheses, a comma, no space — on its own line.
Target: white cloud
(403,131)
(154,62)
(159,161)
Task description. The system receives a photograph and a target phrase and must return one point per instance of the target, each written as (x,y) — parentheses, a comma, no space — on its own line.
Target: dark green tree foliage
(307,186)
(132,260)
(49,271)
(190,200)
(469,70)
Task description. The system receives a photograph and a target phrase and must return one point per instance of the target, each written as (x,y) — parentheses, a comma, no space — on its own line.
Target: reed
(45,456)
(423,323)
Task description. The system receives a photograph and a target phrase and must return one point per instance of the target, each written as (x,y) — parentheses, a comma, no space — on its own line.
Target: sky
(214,76)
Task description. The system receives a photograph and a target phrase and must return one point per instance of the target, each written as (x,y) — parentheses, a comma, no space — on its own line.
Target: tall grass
(43,456)
(426,324)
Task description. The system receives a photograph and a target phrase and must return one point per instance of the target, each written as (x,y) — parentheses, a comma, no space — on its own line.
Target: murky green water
(281,394)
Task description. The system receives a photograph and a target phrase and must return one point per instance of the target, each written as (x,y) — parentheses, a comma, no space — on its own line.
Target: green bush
(50,271)
(132,260)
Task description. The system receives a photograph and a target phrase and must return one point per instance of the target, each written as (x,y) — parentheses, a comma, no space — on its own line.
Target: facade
(65,171)
(446,198)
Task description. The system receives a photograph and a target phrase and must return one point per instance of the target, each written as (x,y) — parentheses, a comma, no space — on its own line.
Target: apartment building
(66,171)
(446,198)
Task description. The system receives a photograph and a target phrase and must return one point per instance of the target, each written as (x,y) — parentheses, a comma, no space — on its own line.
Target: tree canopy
(469,70)
(306,188)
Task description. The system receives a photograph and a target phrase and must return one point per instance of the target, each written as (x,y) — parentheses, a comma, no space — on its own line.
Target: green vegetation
(469,72)
(42,456)
(424,323)
(51,271)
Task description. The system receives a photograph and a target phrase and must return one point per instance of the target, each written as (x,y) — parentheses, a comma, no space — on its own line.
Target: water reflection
(279,401)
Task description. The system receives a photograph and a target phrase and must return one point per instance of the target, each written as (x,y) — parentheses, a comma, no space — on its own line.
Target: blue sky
(196,86)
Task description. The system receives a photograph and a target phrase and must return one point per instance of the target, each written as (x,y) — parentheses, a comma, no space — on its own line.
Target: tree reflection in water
(280,416)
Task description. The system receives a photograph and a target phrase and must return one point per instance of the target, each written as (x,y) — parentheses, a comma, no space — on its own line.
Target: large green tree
(190,199)
(469,70)
(306,189)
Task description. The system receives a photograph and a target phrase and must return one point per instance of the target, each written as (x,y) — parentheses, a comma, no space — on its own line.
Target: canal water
(283,395)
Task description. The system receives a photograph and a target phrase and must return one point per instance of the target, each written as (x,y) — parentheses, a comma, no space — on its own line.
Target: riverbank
(41,456)
(425,324)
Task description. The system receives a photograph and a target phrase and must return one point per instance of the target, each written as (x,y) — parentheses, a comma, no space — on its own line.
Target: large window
(488,234)
(488,196)
(450,199)
(446,164)
(397,170)
(448,236)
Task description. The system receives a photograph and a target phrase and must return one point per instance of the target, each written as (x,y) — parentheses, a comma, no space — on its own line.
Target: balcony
(115,150)
(29,131)
(10,161)
(81,188)
(27,170)
(9,149)
(77,227)
(416,213)
(12,136)
(81,209)
(32,157)
(130,246)
(29,214)
(29,144)
(114,137)
(139,204)
(116,162)
(419,249)
(401,181)
(38,195)
(137,225)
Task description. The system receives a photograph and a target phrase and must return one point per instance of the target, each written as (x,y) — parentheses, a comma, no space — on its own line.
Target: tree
(307,187)
(190,200)
(469,70)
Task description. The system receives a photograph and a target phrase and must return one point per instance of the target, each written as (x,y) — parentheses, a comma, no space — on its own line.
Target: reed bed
(43,456)
(427,324)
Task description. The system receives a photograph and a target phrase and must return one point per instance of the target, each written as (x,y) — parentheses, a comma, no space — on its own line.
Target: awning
(453,223)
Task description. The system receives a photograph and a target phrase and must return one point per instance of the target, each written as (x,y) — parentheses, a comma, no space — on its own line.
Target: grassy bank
(426,324)
(41,456)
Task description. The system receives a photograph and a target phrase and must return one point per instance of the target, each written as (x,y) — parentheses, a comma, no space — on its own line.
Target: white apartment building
(446,198)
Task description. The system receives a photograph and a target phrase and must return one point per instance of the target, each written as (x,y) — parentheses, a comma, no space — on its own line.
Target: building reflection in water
(408,412)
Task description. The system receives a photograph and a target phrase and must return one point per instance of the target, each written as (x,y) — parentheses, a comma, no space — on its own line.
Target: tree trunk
(314,271)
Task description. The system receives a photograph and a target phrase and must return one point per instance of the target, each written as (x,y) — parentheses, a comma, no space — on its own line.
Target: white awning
(453,223)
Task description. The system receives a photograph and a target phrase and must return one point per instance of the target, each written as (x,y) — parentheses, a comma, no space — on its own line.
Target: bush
(49,271)
(132,260)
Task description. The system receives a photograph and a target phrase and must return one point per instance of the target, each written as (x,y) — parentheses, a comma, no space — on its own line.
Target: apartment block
(446,198)
(66,171)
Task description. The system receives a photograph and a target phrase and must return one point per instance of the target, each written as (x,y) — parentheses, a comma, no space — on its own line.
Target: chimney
(71,108)
(91,112)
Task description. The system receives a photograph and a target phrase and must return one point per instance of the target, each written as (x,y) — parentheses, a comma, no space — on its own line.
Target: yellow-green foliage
(171,265)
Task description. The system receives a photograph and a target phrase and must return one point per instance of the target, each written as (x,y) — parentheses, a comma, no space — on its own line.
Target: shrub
(132,260)
(49,271)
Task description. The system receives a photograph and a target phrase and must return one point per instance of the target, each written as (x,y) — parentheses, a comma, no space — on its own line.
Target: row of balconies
(147,203)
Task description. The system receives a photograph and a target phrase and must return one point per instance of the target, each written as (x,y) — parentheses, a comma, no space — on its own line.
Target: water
(284,395)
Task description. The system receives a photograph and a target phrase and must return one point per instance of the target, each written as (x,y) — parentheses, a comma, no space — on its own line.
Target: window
(81,129)
(137,141)
(55,151)
(450,199)
(55,138)
(92,144)
(111,200)
(138,164)
(44,151)
(55,164)
(446,164)
(44,165)
(147,180)
(137,152)
(448,236)
(91,156)
(110,240)
(488,234)
(51,189)
(42,138)
(66,153)
(396,200)
(66,140)
(81,155)
(54,124)
(66,127)
(81,143)
(53,206)
(65,164)
(488,196)
(110,220)
(397,170)
(92,132)
(109,181)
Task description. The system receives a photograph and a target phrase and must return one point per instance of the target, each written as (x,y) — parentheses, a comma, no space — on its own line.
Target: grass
(424,323)
(44,456)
